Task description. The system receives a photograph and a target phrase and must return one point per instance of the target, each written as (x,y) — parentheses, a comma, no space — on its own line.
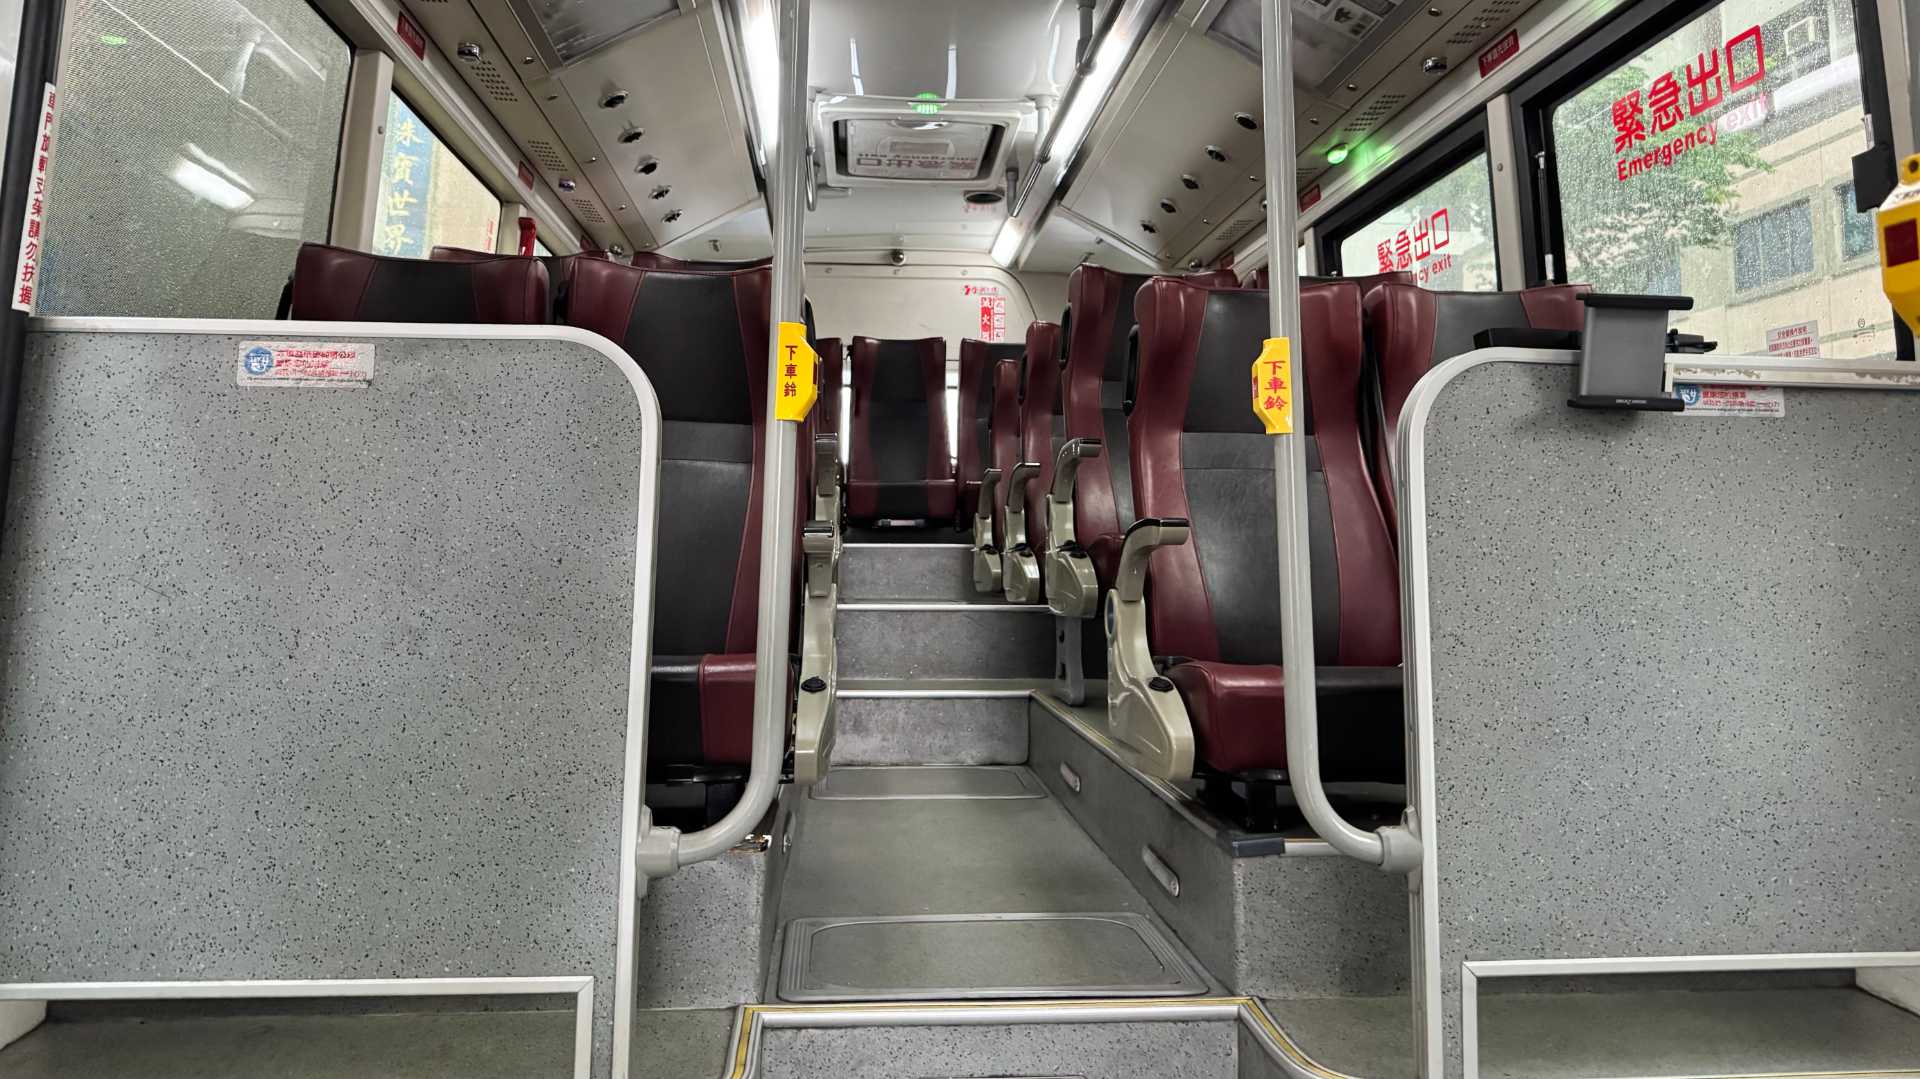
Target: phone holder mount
(1623,353)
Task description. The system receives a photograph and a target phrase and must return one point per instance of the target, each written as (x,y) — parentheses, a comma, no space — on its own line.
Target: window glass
(540,248)
(1856,230)
(1721,158)
(1443,234)
(428,198)
(195,150)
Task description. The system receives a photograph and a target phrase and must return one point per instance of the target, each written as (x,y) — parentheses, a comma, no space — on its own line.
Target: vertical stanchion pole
(786,204)
(35,69)
(1290,465)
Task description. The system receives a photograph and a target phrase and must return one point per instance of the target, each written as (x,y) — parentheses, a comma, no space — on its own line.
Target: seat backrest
(973,415)
(1410,329)
(1098,322)
(702,339)
(833,379)
(559,272)
(1199,453)
(1040,436)
(334,284)
(899,464)
(1262,279)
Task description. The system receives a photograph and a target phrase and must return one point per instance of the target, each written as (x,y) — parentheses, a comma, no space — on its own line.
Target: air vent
(1490,16)
(495,85)
(548,157)
(587,210)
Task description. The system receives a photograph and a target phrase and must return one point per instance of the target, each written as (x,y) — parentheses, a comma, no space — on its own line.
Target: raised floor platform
(943,882)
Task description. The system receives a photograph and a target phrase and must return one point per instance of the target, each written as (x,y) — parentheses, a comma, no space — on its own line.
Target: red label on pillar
(1499,52)
(415,37)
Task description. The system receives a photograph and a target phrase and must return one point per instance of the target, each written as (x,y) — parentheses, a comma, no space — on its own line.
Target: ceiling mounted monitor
(923,140)
(575,28)
(916,148)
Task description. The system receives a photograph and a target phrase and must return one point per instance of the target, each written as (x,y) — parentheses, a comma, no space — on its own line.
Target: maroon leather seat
(1096,329)
(1039,424)
(559,271)
(972,415)
(1213,602)
(702,339)
(833,380)
(899,466)
(334,284)
(1411,329)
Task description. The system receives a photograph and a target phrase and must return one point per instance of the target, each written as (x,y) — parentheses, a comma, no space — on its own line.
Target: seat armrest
(1355,681)
(1023,475)
(826,464)
(817,542)
(1066,465)
(1146,535)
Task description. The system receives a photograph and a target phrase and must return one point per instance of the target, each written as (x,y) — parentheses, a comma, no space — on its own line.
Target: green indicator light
(113,40)
(927,103)
(1336,153)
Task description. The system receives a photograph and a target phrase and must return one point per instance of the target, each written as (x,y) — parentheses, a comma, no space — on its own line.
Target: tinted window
(195,149)
(428,197)
(1443,234)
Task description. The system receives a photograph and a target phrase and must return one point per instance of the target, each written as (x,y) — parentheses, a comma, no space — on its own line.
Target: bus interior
(946,539)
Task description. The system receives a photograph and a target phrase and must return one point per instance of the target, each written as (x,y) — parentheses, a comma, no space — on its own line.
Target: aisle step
(934,721)
(927,639)
(907,571)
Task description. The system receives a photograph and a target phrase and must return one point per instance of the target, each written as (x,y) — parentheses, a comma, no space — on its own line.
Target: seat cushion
(726,708)
(1238,712)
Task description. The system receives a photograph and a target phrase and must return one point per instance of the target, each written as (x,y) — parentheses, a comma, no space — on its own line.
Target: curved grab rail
(1394,849)
(664,849)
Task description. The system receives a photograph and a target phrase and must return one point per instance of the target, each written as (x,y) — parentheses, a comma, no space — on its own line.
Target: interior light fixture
(762,46)
(1006,245)
(1337,153)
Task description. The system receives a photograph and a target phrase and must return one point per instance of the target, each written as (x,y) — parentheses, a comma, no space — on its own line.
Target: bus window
(1443,234)
(428,197)
(1718,164)
(541,249)
(197,145)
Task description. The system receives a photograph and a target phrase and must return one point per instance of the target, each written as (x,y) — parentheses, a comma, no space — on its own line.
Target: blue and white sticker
(1716,399)
(305,363)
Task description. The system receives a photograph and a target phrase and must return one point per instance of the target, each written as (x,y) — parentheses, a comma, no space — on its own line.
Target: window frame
(1411,174)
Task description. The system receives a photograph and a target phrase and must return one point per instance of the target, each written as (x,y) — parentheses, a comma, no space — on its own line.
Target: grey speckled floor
(1661,1032)
(445,1045)
(681,1044)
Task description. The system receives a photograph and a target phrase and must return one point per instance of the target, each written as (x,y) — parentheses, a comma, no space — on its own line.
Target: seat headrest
(899,369)
(335,284)
(701,336)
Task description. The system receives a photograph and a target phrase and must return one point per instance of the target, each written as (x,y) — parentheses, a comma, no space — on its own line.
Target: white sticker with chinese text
(1707,399)
(304,363)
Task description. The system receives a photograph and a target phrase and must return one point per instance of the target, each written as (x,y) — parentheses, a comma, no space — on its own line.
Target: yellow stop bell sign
(1899,226)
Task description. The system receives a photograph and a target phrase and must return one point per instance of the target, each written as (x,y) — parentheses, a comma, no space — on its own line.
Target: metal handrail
(663,849)
(1394,849)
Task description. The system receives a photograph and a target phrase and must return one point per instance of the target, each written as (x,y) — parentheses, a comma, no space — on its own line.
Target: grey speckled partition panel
(316,683)
(1673,675)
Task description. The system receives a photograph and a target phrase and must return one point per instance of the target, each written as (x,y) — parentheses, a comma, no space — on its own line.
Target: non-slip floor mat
(982,956)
